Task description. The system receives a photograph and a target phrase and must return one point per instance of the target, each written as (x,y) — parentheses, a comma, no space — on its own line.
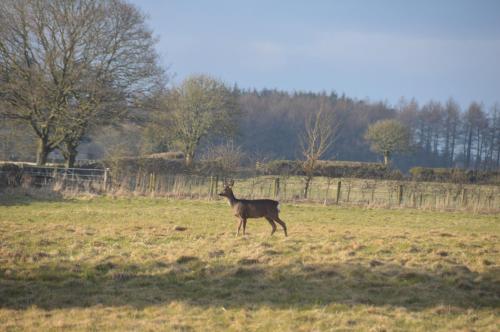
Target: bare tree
(320,130)
(227,156)
(495,136)
(474,122)
(198,109)
(451,125)
(16,140)
(68,65)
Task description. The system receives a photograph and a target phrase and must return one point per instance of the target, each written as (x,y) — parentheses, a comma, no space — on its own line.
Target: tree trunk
(42,151)
(69,153)
(469,148)
(387,159)
(70,161)
(70,156)
(189,158)
(498,157)
(452,148)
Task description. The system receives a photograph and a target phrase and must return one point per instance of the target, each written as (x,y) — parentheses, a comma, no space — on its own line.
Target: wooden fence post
(105,180)
(216,191)
(339,186)
(153,182)
(211,188)
(276,187)
(327,190)
(464,197)
(400,194)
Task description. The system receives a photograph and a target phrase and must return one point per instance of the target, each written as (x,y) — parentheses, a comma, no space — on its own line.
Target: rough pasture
(116,264)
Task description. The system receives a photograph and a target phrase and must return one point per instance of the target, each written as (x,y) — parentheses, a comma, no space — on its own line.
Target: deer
(252,208)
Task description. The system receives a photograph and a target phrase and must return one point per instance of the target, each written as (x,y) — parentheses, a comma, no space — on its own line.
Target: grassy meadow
(126,264)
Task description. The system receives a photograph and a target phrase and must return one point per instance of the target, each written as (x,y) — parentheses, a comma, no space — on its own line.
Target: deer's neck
(232,199)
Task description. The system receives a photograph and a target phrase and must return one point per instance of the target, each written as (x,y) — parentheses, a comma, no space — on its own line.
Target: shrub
(456,175)
(332,169)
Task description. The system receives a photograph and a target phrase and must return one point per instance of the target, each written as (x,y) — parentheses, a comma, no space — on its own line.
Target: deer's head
(228,189)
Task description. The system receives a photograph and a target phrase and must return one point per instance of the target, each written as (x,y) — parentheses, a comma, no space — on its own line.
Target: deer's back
(256,208)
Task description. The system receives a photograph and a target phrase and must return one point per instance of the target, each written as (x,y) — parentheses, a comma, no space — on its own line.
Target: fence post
(339,186)
(216,192)
(478,202)
(276,187)
(400,194)
(327,190)
(105,180)
(348,191)
(464,197)
(153,182)
(211,189)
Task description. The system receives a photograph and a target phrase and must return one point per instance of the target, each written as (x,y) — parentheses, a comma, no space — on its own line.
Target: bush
(456,175)
(332,169)
(281,167)
(167,155)
(130,167)
(10,175)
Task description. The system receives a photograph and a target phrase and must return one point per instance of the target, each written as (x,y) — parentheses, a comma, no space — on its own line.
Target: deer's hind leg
(273,225)
(282,223)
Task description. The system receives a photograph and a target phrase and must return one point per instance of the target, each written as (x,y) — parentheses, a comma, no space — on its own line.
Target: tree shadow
(26,196)
(246,285)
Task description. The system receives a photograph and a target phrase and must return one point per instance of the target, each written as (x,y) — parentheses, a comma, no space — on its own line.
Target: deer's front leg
(239,226)
(244,225)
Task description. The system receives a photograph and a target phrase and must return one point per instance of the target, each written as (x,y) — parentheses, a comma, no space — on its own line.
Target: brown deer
(255,208)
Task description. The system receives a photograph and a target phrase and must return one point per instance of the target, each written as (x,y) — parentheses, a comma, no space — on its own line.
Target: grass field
(119,264)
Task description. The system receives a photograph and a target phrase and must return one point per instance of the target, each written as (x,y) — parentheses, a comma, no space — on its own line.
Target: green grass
(118,264)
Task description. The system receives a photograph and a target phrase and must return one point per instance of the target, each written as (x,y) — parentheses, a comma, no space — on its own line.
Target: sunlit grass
(115,264)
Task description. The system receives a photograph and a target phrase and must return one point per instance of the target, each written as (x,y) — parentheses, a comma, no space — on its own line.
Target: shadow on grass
(22,196)
(246,285)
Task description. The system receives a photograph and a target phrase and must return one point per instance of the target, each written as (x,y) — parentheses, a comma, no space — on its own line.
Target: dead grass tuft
(248,261)
(187,259)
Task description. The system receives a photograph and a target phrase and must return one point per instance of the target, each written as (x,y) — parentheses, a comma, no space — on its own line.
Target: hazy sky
(376,49)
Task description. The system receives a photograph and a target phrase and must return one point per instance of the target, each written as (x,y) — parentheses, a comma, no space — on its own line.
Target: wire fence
(42,176)
(341,191)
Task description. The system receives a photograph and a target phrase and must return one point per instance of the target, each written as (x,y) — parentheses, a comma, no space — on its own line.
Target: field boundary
(325,190)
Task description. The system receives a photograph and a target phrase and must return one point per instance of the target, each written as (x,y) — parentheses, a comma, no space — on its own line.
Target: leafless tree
(67,65)
(228,156)
(474,123)
(320,131)
(451,126)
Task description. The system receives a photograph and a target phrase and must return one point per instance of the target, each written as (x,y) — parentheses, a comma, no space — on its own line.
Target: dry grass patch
(120,264)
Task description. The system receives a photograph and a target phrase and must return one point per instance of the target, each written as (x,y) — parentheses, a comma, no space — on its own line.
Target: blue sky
(378,49)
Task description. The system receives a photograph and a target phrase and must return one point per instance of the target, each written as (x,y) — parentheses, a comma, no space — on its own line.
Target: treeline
(443,134)
(269,124)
